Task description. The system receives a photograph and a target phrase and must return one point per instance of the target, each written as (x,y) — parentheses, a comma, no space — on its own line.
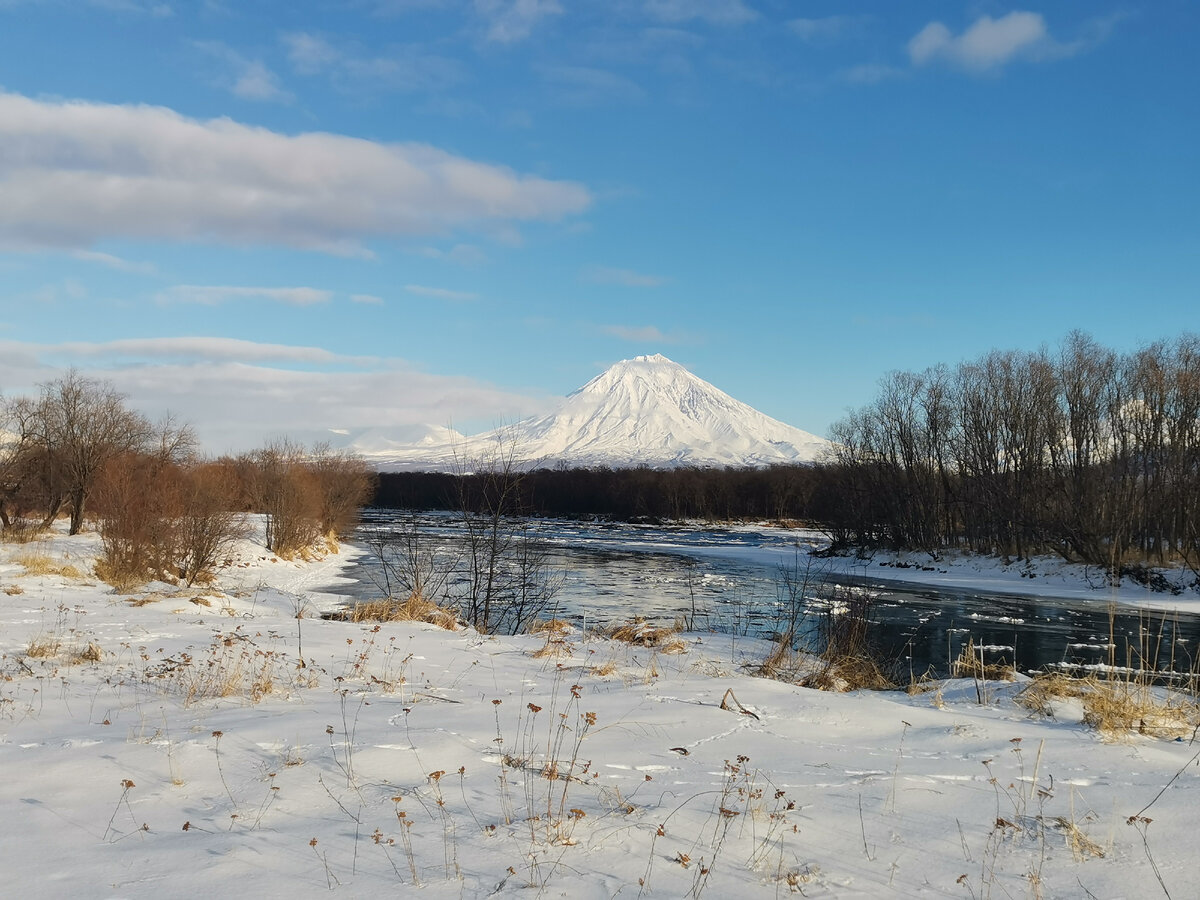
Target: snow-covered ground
(229,742)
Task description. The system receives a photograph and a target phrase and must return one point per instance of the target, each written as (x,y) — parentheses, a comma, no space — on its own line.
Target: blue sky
(295,217)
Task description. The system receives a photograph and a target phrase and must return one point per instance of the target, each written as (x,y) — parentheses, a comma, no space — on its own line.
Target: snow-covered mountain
(643,411)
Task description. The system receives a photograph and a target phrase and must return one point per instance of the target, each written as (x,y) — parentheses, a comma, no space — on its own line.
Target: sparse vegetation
(414,609)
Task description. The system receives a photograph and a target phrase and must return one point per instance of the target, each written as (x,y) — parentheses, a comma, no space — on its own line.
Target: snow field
(196,756)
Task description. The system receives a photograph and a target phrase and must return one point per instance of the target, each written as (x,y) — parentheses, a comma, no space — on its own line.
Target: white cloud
(212,295)
(440,293)
(623,277)
(368,299)
(237,396)
(988,43)
(75,173)
(509,21)
(715,12)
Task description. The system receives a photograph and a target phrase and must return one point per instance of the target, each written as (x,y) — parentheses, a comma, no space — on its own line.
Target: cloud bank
(239,394)
(73,173)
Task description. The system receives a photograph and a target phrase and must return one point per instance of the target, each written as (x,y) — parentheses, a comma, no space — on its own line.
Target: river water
(735,581)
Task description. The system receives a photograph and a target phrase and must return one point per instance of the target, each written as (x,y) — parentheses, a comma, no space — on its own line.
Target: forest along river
(734,581)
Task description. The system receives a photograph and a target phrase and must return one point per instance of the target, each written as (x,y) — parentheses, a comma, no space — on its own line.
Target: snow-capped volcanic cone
(643,411)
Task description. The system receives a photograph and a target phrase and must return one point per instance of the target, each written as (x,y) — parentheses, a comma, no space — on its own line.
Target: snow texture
(645,411)
(227,742)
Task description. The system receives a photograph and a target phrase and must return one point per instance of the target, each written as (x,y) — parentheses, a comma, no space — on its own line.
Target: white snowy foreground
(172,744)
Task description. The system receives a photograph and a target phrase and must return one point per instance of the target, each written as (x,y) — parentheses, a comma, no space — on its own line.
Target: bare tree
(78,425)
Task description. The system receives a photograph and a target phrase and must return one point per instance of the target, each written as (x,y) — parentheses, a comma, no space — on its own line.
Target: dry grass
(555,631)
(414,609)
(556,627)
(970,664)
(233,667)
(1081,845)
(43,647)
(40,563)
(49,646)
(13,590)
(155,596)
(22,533)
(605,669)
(848,673)
(88,654)
(1115,707)
(641,633)
(123,579)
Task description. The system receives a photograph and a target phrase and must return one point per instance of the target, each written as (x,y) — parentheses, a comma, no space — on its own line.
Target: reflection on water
(729,580)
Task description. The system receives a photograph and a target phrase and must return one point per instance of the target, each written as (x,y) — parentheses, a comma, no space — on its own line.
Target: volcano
(646,411)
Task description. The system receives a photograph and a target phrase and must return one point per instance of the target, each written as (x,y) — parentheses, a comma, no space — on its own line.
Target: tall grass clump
(1129,695)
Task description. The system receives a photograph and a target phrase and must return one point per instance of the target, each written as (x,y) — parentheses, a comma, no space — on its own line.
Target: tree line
(162,510)
(775,493)
(1076,450)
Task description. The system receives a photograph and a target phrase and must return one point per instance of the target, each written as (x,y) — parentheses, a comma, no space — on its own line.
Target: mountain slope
(643,411)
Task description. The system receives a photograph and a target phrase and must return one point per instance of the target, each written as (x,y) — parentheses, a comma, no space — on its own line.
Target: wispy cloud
(645,334)
(440,293)
(114,262)
(249,79)
(871,73)
(186,348)
(213,295)
(308,53)
(509,21)
(404,69)
(715,12)
(366,299)
(988,44)
(460,254)
(587,86)
(828,28)
(623,277)
(76,173)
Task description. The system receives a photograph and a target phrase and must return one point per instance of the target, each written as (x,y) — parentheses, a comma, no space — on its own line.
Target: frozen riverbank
(176,743)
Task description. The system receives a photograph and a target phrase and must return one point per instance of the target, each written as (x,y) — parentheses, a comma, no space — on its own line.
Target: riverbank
(1172,588)
(176,743)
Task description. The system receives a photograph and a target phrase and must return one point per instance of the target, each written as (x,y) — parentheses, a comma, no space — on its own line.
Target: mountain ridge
(647,411)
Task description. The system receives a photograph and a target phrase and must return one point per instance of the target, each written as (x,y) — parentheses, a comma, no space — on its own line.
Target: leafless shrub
(209,523)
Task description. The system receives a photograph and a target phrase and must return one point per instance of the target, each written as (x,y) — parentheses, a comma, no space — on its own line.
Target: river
(735,581)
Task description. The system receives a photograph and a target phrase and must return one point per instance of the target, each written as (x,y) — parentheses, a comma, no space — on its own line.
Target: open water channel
(732,580)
